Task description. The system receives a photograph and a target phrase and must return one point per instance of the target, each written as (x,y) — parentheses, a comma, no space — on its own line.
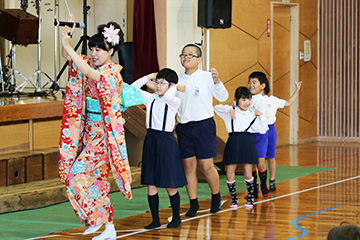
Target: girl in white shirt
(240,146)
(161,163)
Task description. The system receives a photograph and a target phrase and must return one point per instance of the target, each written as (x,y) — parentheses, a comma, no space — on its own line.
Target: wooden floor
(306,207)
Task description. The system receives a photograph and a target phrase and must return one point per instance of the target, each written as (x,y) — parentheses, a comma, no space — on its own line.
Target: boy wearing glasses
(161,163)
(196,130)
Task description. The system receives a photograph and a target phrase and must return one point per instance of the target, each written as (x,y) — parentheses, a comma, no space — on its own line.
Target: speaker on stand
(213,14)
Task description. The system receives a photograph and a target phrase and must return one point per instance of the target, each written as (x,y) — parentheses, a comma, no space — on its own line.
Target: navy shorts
(271,147)
(261,142)
(197,139)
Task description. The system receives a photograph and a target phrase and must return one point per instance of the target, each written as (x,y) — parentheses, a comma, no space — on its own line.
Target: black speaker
(125,60)
(214,13)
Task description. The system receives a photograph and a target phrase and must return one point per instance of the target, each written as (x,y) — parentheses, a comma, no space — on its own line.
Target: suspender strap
(232,123)
(252,122)
(165,115)
(151,109)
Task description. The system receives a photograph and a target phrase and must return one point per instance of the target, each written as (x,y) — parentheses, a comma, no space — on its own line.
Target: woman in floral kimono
(92,135)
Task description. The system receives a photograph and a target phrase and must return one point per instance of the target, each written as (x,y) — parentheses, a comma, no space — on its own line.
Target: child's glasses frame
(188,56)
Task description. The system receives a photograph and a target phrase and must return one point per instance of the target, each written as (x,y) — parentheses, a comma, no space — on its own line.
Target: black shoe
(272,185)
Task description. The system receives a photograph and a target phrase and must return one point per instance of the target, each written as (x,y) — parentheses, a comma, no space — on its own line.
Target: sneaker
(272,185)
(249,203)
(234,203)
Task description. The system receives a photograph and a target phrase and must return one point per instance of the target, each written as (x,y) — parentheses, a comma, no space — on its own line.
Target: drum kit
(23,28)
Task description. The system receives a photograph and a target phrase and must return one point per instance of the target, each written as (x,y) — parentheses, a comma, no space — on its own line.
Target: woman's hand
(66,36)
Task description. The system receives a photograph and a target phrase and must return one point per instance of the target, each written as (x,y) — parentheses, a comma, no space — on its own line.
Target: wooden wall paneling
(294,71)
(308,109)
(16,170)
(234,70)
(46,134)
(235,52)
(251,16)
(3,173)
(34,167)
(51,164)
(14,137)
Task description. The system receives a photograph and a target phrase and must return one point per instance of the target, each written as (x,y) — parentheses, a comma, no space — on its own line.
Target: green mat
(60,217)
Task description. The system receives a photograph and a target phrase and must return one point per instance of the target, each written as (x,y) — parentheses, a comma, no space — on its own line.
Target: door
(285,67)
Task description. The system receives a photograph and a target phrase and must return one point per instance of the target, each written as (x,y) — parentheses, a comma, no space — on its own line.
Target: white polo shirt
(242,121)
(272,105)
(258,103)
(158,109)
(197,100)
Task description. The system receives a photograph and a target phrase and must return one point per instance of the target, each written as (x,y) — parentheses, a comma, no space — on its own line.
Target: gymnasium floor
(318,188)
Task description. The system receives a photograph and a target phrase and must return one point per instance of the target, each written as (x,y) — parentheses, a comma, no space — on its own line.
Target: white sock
(108,233)
(92,229)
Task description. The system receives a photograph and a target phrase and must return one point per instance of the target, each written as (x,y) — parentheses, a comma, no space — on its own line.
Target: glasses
(157,82)
(188,56)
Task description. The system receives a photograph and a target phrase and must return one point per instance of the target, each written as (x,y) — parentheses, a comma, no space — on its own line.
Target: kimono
(92,143)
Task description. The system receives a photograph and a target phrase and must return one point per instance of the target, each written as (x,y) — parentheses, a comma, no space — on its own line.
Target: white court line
(231,209)
(134,231)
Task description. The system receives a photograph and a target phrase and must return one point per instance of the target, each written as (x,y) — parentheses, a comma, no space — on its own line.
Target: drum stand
(38,72)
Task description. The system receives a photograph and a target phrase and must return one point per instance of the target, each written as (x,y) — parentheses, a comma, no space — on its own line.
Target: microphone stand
(83,40)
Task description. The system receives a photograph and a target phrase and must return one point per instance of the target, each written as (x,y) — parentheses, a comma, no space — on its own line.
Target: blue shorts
(197,139)
(271,147)
(261,142)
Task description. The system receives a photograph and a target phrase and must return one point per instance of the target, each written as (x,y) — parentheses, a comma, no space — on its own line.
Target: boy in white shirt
(273,104)
(196,130)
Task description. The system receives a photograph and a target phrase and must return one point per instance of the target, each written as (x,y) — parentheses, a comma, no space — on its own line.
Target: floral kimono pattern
(92,146)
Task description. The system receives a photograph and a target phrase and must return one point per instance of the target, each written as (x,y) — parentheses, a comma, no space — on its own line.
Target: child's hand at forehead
(215,75)
(180,87)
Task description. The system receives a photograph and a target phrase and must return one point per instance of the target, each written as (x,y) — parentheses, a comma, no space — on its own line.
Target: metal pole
(55,40)
(207,49)
(84,46)
(39,51)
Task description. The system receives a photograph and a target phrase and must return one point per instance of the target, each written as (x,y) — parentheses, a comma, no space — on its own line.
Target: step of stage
(44,193)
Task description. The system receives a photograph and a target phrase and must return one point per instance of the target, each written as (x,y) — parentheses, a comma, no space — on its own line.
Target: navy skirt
(161,162)
(240,148)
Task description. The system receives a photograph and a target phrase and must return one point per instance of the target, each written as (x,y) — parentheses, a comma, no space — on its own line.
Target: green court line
(60,217)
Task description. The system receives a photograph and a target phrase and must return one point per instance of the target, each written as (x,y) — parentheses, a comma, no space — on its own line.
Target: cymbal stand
(13,71)
(38,72)
(2,77)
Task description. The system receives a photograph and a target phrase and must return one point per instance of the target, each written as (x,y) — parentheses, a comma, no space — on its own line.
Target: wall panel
(339,69)
(250,22)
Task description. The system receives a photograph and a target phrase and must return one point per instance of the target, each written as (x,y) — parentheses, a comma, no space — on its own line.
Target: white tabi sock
(108,234)
(92,229)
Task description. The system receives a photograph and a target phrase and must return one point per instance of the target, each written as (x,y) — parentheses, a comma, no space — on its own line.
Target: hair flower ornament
(111,35)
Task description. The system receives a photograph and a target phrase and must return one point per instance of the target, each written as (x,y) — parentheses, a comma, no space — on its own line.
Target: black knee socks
(256,185)
(175,205)
(263,177)
(232,190)
(154,208)
(215,203)
(250,187)
(194,207)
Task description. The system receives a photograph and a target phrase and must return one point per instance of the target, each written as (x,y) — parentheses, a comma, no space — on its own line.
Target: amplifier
(18,26)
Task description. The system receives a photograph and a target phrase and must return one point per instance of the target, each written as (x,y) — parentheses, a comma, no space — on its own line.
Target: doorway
(285,67)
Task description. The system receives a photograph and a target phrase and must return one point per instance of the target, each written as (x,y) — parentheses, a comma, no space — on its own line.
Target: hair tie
(111,35)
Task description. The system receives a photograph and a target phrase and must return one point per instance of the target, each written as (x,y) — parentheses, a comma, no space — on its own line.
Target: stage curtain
(145,59)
